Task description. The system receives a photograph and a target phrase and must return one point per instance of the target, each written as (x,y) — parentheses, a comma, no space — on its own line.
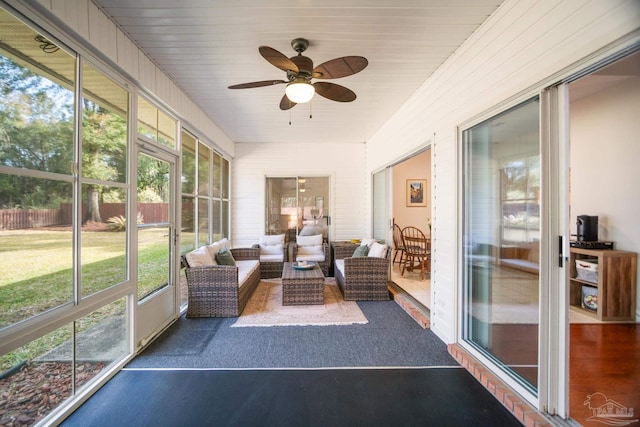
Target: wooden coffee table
(302,286)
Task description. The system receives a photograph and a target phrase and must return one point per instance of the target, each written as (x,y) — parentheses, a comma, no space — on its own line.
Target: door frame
(154,313)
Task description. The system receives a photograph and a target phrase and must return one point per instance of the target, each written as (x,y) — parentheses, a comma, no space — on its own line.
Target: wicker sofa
(361,278)
(222,290)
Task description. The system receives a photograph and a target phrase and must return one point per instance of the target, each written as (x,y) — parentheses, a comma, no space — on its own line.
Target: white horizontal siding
(343,163)
(519,47)
(94,26)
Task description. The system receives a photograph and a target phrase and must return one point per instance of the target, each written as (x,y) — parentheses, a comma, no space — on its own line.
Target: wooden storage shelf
(616,285)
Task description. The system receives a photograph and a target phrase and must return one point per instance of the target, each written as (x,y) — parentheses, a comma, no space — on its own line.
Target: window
(53,191)
(36,183)
(105,107)
(297,205)
(155,124)
(205,194)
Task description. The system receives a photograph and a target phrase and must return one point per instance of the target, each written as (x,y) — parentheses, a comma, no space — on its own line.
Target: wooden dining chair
(417,249)
(398,244)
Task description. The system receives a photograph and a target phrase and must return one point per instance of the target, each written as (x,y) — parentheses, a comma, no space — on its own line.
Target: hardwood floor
(604,358)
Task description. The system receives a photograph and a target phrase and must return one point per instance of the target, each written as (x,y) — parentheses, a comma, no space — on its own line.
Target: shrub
(119,223)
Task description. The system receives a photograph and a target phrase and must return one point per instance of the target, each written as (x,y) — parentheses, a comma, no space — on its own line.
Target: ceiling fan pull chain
(289,117)
(310,110)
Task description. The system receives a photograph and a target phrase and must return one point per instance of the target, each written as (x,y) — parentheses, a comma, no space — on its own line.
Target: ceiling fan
(300,71)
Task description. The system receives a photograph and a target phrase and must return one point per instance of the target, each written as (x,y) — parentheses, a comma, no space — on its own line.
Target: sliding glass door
(380,212)
(297,206)
(501,238)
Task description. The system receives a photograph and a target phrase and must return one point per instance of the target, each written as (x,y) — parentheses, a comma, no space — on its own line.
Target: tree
(36,132)
(104,144)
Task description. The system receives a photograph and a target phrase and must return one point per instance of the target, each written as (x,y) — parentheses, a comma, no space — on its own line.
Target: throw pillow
(309,240)
(271,249)
(273,239)
(362,250)
(367,241)
(199,257)
(378,250)
(224,257)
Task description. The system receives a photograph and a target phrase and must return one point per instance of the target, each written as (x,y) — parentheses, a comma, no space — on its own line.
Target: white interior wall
(83,17)
(344,163)
(605,149)
(519,48)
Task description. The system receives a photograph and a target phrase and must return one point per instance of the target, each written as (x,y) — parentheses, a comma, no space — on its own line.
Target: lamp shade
(300,91)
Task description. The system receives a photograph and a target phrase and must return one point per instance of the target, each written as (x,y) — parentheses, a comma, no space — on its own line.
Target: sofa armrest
(246,253)
(344,250)
(366,266)
(221,276)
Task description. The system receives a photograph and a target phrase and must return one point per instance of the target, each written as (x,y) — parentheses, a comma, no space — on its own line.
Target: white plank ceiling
(206,46)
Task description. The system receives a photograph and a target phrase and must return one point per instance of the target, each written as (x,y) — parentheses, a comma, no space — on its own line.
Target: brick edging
(519,407)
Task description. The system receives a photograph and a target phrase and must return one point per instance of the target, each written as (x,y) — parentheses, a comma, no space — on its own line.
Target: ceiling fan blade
(286,104)
(257,84)
(334,92)
(277,59)
(340,67)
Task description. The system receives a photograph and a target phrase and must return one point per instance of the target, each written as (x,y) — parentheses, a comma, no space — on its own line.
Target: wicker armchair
(272,263)
(214,291)
(323,259)
(361,278)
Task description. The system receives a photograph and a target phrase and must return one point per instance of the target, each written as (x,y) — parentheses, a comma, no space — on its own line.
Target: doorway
(415,170)
(604,107)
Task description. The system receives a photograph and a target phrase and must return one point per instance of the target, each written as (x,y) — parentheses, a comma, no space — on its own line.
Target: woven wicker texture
(302,286)
(213,290)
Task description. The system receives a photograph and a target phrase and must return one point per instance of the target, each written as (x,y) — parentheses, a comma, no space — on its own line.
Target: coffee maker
(587,228)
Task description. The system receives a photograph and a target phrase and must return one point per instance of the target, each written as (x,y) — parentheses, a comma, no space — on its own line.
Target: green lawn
(37,269)
(37,275)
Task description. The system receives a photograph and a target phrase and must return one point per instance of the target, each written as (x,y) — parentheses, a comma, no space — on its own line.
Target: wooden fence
(15,219)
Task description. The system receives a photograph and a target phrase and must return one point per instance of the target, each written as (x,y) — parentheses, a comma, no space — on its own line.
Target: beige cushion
(272,248)
(245,268)
(276,239)
(213,249)
(272,258)
(367,242)
(200,257)
(216,246)
(309,240)
(310,248)
(339,265)
(378,250)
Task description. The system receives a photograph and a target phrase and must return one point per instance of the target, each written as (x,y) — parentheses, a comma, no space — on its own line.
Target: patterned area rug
(265,308)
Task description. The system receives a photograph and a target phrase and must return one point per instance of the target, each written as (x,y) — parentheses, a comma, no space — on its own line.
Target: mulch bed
(30,394)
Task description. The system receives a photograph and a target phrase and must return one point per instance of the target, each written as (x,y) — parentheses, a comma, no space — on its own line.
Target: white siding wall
(91,24)
(344,163)
(519,47)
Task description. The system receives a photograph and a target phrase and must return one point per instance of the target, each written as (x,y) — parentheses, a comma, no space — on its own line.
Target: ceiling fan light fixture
(300,91)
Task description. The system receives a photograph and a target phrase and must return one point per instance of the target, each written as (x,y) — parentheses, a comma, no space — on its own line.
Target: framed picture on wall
(416,192)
